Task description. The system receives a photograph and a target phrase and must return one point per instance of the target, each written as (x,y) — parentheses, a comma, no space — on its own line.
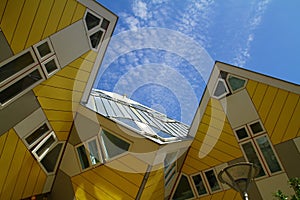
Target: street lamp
(238,176)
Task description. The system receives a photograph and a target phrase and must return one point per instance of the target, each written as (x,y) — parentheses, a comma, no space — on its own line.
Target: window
(16,65)
(96,27)
(258,149)
(43,147)
(221,89)
(50,161)
(37,135)
(20,86)
(170,167)
(235,83)
(199,184)
(212,180)
(183,190)
(50,66)
(113,145)
(43,49)
(89,153)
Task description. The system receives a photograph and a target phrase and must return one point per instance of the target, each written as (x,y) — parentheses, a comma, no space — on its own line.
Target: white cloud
(139,9)
(243,53)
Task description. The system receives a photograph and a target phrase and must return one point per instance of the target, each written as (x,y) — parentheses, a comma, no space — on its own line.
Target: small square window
(256,127)
(96,38)
(242,133)
(91,21)
(105,24)
(43,49)
(50,66)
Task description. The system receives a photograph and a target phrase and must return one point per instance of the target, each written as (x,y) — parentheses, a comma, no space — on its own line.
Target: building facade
(59,139)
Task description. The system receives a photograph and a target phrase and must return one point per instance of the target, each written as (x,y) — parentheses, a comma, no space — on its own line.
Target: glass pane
(51,66)
(256,127)
(200,185)
(241,133)
(94,153)
(83,157)
(236,83)
(46,145)
(183,190)
(42,130)
(252,157)
(113,145)
(19,86)
(44,49)
(91,21)
(268,154)
(15,66)
(105,24)
(129,122)
(96,38)
(212,180)
(50,160)
(220,89)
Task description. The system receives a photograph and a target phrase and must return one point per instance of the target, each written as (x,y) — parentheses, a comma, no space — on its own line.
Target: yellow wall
(60,95)
(155,185)
(226,147)
(25,23)
(224,195)
(21,176)
(119,179)
(278,109)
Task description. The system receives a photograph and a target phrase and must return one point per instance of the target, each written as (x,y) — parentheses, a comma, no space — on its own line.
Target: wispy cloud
(243,52)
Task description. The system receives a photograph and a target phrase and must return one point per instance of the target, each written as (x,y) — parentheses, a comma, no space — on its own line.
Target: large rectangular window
(257,148)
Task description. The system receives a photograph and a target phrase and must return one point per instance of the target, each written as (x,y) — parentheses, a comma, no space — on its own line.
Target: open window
(89,153)
(37,135)
(44,146)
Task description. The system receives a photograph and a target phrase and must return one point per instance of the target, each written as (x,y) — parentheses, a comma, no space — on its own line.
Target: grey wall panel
(5,50)
(290,158)
(62,187)
(17,111)
(70,43)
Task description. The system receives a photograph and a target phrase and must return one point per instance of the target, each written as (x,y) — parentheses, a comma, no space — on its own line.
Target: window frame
(87,152)
(171,169)
(251,131)
(103,147)
(247,130)
(57,161)
(190,182)
(204,183)
(37,52)
(38,67)
(215,87)
(43,141)
(29,146)
(207,182)
(43,64)
(9,80)
(94,29)
(232,75)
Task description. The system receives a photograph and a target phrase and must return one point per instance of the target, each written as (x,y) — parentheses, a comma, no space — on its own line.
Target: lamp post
(238,176)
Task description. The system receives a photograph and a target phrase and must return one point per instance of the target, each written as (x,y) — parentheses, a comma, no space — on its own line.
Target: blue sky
(162,51)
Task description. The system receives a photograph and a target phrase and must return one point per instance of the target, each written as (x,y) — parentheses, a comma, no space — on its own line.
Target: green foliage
(293,183)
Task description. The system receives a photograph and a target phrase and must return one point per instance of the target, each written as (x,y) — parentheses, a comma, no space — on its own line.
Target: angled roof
(137,117)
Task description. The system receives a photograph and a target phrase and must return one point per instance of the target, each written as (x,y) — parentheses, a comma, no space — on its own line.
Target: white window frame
(87,152)
(234,91)
(263,157)
(259,133)
(171,169)
(29,146)
(35,47)
(191,185)
(215,87)
(204,183)
(246,138)
(94,29)
(57,161)
(15,76)
(34,151)
(43,64)
(38,67)
(207,182)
